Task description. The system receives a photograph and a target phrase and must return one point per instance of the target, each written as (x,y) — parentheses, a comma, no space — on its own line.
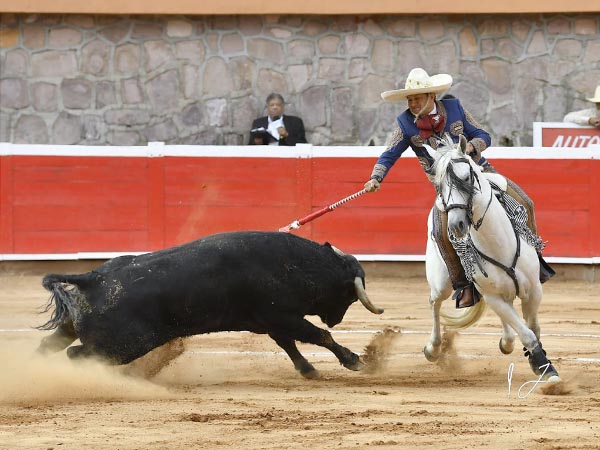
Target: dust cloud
(378,351)
(27,377)
(449,359)
(563,387)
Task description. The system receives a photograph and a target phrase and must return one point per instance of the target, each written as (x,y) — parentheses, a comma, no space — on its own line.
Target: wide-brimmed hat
(596,97)
(419,82)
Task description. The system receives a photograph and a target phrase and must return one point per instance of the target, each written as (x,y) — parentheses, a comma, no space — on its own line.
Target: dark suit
(293,125)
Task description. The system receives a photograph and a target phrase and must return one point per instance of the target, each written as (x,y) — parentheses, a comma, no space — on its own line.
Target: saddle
(498,182)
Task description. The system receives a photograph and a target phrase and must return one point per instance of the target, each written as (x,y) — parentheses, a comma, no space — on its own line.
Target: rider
(425,121)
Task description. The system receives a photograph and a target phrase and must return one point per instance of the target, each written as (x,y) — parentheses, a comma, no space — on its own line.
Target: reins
(510,271)
(468,207)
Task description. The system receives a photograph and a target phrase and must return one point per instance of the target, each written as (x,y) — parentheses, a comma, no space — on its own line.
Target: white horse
(501,263)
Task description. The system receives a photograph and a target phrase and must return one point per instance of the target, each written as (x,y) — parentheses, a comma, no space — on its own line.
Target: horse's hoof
(539,363)
(358,365)
(312,374)
(553,379)
(430,356)
(508,349)
(550,374)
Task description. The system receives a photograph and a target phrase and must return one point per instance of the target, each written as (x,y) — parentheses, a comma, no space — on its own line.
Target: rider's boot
(546,272)
(466,296)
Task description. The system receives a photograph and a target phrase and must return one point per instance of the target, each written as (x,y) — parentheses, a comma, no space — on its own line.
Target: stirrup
(458,295)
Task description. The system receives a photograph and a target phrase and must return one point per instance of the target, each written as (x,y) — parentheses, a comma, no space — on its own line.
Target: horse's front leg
(530,303)
(507,341)
(536,355)
(433,347)
(509,317)
(440,287)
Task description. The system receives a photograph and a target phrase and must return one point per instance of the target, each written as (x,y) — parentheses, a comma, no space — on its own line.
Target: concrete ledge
(283,7)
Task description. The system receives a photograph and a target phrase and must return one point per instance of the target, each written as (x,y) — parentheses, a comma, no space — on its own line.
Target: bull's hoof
(431,357)
(311,374)
(42,350)
(76,352)
(506,347)
(357,365)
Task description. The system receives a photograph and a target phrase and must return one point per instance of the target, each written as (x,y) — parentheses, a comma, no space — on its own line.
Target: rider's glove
(372,185)
(473,152)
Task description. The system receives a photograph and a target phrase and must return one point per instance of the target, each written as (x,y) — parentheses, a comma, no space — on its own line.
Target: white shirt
(433,111)
(272,129)
(582,117)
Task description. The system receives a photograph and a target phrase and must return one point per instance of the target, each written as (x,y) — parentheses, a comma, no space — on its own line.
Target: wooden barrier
(63,200)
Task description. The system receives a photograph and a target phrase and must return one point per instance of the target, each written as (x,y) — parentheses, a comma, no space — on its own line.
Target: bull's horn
(364,298)
(337,250)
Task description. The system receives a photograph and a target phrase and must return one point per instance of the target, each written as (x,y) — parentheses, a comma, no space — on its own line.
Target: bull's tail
(64,293)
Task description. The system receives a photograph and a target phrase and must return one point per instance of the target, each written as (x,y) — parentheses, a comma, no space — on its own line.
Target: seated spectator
(277,128)
(590,116)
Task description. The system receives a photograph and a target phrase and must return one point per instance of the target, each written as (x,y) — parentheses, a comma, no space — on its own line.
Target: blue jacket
(458,121)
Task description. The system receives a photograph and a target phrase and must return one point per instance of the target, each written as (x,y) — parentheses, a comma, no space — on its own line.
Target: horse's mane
(447,151)
(441,165)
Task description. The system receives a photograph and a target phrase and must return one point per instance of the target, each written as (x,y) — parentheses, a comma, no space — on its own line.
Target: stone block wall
(127,80)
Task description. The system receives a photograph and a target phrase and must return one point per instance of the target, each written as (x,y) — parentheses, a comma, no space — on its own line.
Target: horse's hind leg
(59,340)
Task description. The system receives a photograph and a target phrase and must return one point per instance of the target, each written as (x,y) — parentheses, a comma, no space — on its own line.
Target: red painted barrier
(53,204)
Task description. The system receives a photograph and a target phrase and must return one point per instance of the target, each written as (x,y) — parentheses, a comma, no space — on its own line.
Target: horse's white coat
(496,239)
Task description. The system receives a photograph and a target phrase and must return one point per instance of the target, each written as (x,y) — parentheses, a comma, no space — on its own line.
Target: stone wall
(114,80)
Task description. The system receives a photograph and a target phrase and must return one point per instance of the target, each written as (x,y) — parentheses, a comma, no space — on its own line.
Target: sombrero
(595,98)
(419,82)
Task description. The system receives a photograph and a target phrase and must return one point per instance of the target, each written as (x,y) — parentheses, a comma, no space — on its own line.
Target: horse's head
(456,180)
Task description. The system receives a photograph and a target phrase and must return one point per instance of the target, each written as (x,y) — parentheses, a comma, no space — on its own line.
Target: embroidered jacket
(458,121)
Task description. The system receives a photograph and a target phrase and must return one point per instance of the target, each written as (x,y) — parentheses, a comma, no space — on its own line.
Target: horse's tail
(64,296)
(466,318)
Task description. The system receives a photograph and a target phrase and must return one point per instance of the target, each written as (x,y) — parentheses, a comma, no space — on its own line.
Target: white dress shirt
(272,129)
(582,117)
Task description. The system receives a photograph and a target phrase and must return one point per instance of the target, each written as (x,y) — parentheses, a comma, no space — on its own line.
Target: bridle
(470,187)
(468,206)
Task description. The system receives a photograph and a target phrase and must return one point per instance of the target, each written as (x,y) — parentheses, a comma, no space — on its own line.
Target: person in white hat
(590,116)
(425,121)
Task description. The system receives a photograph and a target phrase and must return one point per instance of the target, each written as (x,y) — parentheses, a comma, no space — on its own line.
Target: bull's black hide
(263,282)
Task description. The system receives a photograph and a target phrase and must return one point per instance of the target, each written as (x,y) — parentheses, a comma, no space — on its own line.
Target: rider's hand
(372,185)
(473,153)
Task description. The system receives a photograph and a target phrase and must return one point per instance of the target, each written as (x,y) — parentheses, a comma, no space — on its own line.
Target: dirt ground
(238,390)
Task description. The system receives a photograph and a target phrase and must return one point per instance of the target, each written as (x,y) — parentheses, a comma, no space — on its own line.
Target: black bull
(263,282)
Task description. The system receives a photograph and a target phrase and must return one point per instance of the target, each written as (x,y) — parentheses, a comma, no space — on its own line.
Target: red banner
(564,135)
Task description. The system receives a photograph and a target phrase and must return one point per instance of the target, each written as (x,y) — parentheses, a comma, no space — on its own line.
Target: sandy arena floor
(238,390)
